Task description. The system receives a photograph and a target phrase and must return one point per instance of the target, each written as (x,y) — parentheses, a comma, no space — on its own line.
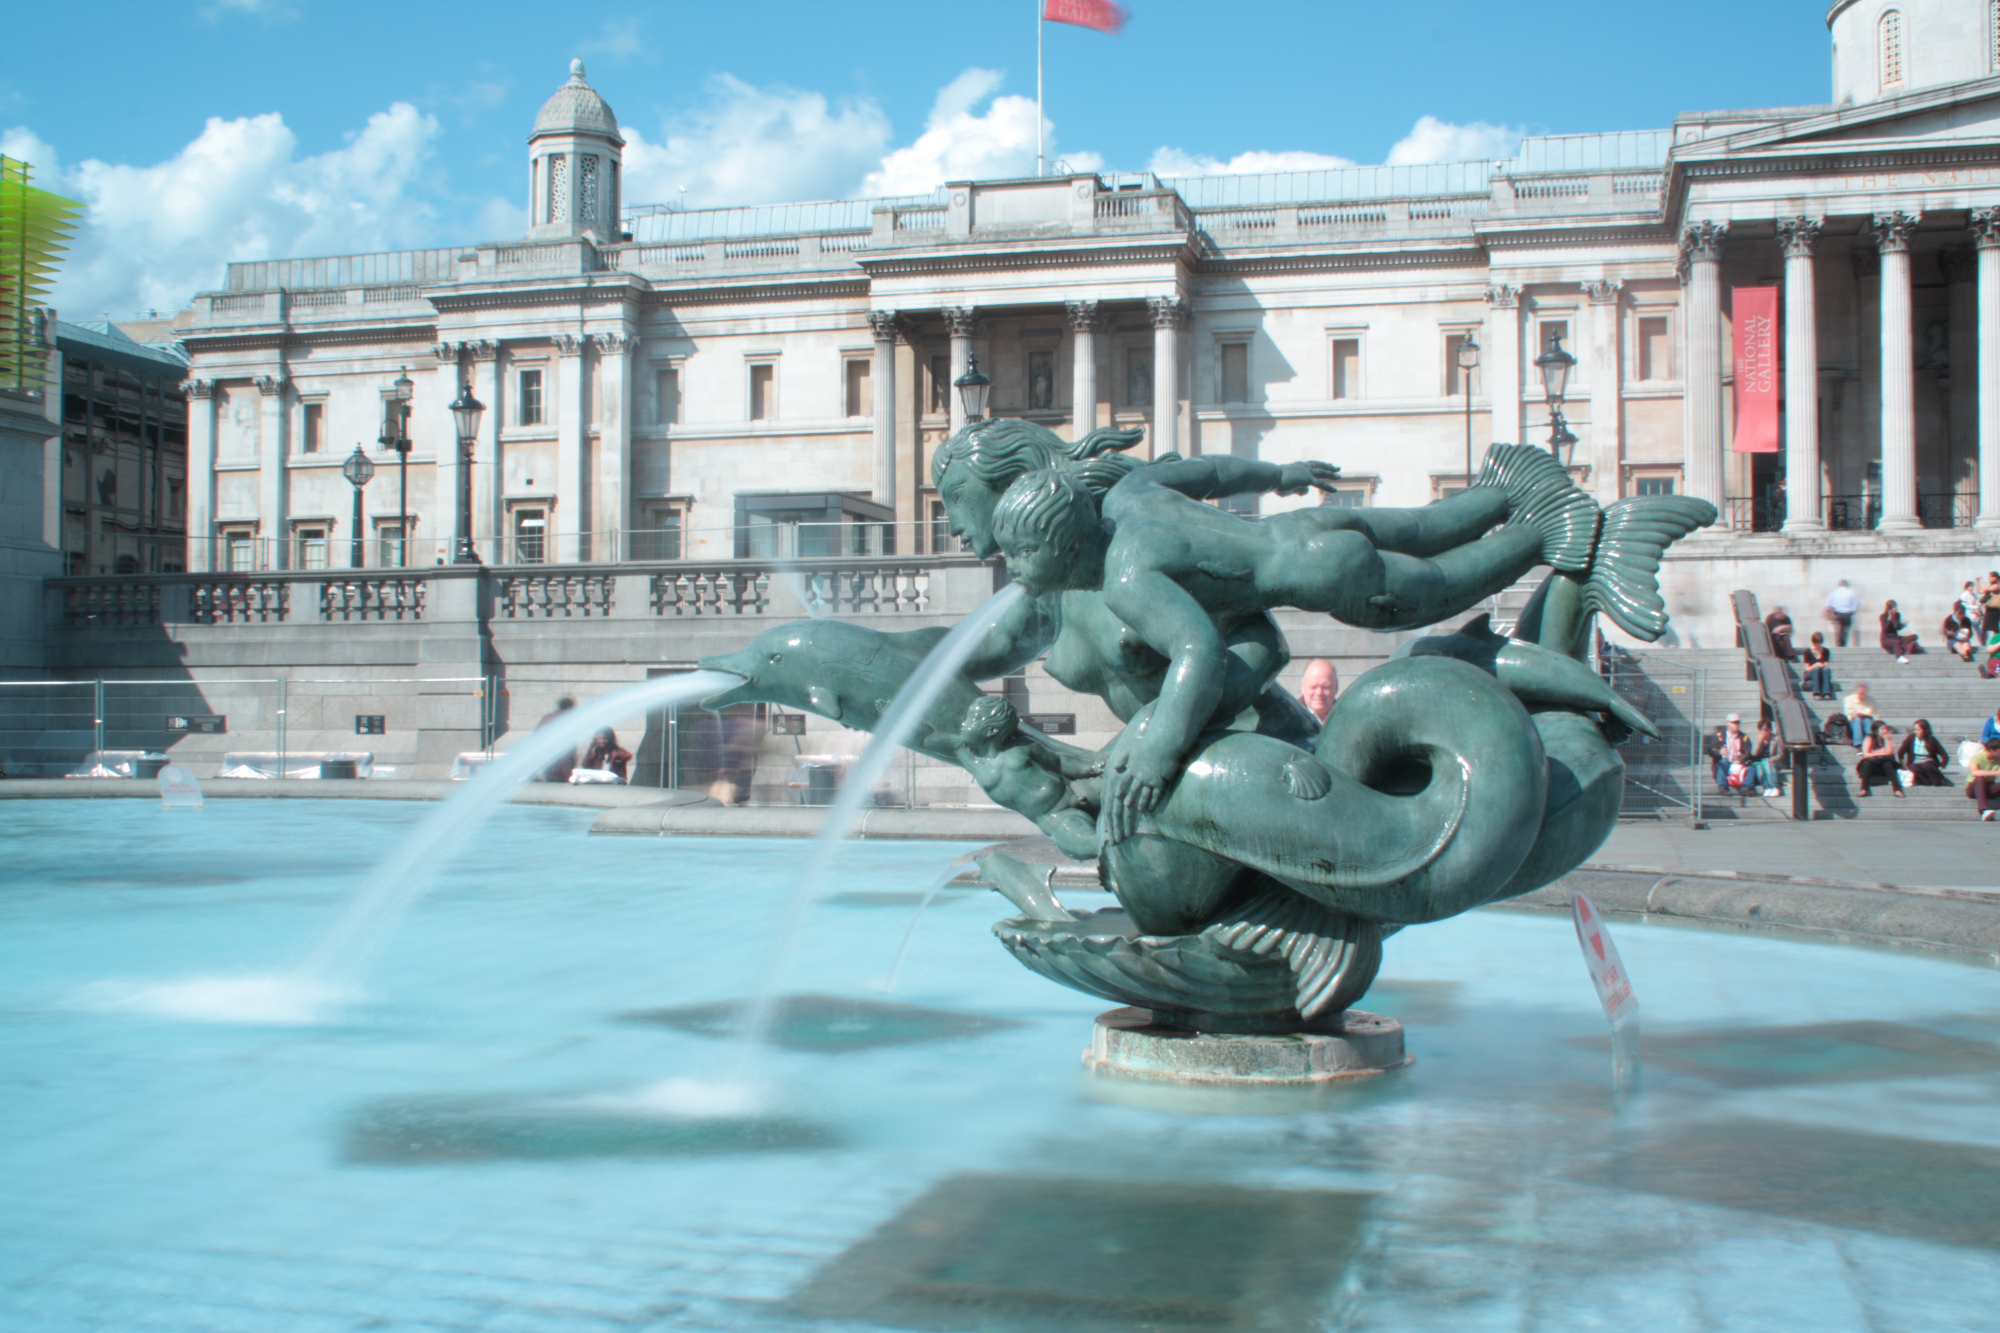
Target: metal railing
(1778,696)
(1745,513)
(1664,778)
(1853,513)
(1947,509)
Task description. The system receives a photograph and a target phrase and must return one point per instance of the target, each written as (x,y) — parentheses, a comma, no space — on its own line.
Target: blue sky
(200,131)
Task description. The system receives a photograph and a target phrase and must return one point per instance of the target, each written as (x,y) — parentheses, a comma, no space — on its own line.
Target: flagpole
(1040,170)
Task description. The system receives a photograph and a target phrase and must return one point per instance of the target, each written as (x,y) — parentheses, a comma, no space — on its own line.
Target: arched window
(1889,33)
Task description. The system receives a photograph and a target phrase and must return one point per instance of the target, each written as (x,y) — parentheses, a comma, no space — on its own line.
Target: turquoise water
(524,1119)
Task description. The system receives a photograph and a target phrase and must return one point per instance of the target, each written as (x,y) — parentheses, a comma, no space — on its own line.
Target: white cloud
(960,143)
(618,38)
(1174,162)
(152,236)
(1434,140)
(754,145)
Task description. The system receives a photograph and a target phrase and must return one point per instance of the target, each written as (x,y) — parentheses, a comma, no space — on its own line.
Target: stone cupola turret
(573,165)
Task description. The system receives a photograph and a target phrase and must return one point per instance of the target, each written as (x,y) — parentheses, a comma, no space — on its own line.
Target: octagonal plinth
(1129,1042)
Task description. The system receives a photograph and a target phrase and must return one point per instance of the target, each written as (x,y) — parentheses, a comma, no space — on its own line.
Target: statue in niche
(1258,857)
(1937,348)
(1041,381)
(1139,379)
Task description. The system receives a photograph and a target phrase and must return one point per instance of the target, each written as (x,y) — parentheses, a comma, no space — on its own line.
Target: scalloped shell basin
(529,1114)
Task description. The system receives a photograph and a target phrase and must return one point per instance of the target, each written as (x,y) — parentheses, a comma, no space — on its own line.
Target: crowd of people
(1970,632)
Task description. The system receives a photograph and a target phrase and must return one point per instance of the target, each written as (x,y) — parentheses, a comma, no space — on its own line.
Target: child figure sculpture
(1046,782)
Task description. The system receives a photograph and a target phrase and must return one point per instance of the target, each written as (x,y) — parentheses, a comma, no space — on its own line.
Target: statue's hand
(1297,478)
(1140,772)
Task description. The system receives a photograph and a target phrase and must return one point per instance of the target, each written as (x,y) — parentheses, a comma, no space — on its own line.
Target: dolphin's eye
(777,658)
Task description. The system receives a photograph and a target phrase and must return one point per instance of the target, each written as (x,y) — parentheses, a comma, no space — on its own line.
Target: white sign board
(178,789)
(1607,971)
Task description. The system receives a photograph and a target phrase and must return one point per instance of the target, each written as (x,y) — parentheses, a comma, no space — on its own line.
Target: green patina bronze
(1257,869)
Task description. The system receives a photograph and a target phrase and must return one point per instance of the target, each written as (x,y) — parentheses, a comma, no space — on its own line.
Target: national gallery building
(772,381)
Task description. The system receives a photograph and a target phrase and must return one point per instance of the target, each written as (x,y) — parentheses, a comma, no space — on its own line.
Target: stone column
(1891,232)
(571,520)
(447,452)
(1803,513)
(1701,373)
(1084,322)
(200,479)
(1986,228)
(958,323)
(613,469)
(1607,433)
(1169,317)
(882,404)
(272,485)
(1503,363)
(487,479)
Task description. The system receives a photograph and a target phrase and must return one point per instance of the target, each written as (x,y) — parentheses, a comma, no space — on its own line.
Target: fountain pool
(525,1121)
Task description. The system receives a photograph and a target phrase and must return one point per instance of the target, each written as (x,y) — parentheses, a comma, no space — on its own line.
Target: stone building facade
(772,381)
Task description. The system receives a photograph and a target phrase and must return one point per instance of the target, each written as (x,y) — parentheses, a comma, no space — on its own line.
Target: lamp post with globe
(973,386)
(359,470)
(466,412)
(1555,364)
(396,435)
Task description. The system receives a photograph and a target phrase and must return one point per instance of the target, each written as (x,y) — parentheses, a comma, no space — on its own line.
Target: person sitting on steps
(1878,761)
(1896,640)
(1982,778)
(1729,750)
(1780,626)
(1860,710)
(1817,664)
(1958,632)
(1765,755)
(1922,756)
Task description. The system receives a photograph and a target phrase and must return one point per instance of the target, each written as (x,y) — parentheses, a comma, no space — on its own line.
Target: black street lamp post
(465,414)
(1555,365)
(396,435)
(972,389)
(359,471)
(1468,361)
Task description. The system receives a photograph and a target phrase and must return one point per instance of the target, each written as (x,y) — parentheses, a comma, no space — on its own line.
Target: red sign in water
(1756,370)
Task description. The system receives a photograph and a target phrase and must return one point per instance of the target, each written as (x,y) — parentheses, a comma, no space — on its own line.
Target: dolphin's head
(1475,641)
(796,665)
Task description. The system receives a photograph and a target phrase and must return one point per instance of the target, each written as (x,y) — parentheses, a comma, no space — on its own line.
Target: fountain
(1258,869)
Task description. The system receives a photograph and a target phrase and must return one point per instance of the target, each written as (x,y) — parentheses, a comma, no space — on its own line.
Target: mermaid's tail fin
(1327,951)
(1624,579)
(1541,496)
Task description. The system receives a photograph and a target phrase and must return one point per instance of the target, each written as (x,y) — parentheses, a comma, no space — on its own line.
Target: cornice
(935,261)
(1802,159)
(761,294)
(275,336)
(1325,262)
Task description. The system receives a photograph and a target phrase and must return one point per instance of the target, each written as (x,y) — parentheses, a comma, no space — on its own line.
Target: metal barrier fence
(1664,778)
(304,727)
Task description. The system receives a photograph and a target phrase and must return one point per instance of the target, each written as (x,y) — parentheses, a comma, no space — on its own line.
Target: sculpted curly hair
(1051,507)
(990,710)
(1001,449)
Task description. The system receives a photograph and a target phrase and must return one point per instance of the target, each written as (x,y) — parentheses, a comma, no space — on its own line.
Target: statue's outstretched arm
(1214,476)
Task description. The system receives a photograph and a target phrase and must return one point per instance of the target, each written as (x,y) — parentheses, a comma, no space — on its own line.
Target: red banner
(1102,15)
(1756,370)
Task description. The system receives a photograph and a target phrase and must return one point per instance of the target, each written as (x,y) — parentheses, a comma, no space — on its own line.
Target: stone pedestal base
(1128,1043)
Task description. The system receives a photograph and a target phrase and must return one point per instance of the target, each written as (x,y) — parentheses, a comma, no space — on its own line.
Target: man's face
(1316,692)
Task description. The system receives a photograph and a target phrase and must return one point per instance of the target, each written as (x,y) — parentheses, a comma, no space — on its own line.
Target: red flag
(1756,320)
(1102,15)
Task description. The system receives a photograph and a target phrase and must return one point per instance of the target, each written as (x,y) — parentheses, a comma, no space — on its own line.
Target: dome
(576,107)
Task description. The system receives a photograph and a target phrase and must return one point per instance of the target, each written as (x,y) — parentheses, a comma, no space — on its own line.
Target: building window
(312,547)
(1655,485)
(1041,381)
(1236,372)
(860,389)
(531,531)
(1454,378)
(1138,378)
(1655,356)
(239,550)
(1346,497)
(940,534)
(389,544)
(312,427)
(1890,28)
(667,397)
(763,391)
(530,398)
(1346,367)
(660,539)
